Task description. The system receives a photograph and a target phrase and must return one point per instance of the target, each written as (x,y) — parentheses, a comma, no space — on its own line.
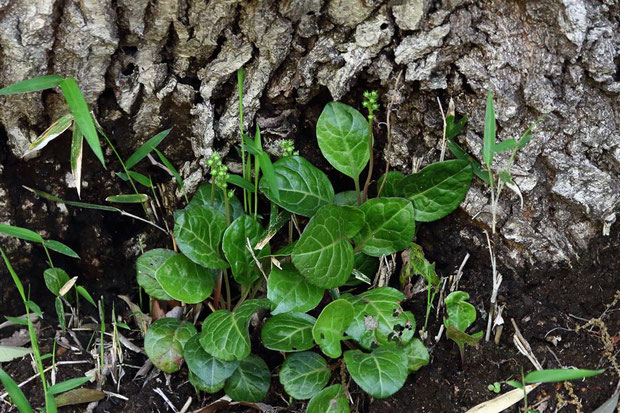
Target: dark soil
(545,302)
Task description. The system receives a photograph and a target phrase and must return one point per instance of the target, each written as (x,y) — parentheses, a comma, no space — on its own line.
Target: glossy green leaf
(380,373)
(289,291)
(332,399)
(354,219)
(128,198)
(201,385)
(164,341)
(56,129)
(235,247)
(379,319)
(417,355)
(68,385)
(461,314)
(250,382)
(184,280)
(17,396)
(489,131)
(32,85)
(559,375)
(303,188)
(198,231)
(330,327)
(81,113)
(55,278)
(60,248)
(288,332)
(77,151)
(346,198)
(303,375)
(389,226)
(323,253)
(225,335)
(211,371)
(147,265)
(143,151)
(342,135)
(203,197)
(390,187)
(437,189)
(21,233)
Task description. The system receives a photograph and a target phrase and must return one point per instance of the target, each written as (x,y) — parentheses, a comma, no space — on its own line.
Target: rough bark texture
(154,64)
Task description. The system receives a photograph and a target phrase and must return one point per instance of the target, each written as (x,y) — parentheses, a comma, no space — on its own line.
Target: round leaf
(417,355)
(377,317)
(330,326)
(323,253)
(235,246)
(342,135)
(250,382)
(303,188)
(332,399)
(164,341)
(438,189)
(288,332)
(389,226)
(202,197)
(211,371)
(198,232)
(55,278)
(225,334)
(303,375)
(380,373)
(199,384)
(392,179)
(289,291)
(185,280)
(147,265)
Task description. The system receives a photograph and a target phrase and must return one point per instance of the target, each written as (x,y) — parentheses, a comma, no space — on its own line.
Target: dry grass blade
(503,402)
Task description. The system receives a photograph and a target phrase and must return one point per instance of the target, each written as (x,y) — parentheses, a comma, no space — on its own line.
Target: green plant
(495,387)
(461,315)
(49,392)
(345,234)
(549,376)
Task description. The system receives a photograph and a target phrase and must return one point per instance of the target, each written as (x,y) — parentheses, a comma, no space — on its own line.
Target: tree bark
(148,65)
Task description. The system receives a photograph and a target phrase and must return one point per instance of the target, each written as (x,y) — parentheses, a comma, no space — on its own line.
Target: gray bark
(558,57)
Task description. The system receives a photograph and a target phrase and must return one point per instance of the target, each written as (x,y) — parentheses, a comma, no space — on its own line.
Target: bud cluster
(371,103)
(288,149)
(219,172)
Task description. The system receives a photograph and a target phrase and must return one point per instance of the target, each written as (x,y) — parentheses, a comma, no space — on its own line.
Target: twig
(388,150)
(168,402)
(445,126)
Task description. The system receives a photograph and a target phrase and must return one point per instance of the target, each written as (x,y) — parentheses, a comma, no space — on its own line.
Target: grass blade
(53,198)
(16,279)
(559,375)
(17,396)
(56,129)
(136,176)
(77,149)
(240,182)
(60,248)
(9,353)
(82,291)
(171,167)
(32,85)
(68,385)
(488,147)
(81,113)
(128,198)
(21,233)
(143,151)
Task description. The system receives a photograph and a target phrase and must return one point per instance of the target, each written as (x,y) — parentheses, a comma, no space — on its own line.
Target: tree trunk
(148,65)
